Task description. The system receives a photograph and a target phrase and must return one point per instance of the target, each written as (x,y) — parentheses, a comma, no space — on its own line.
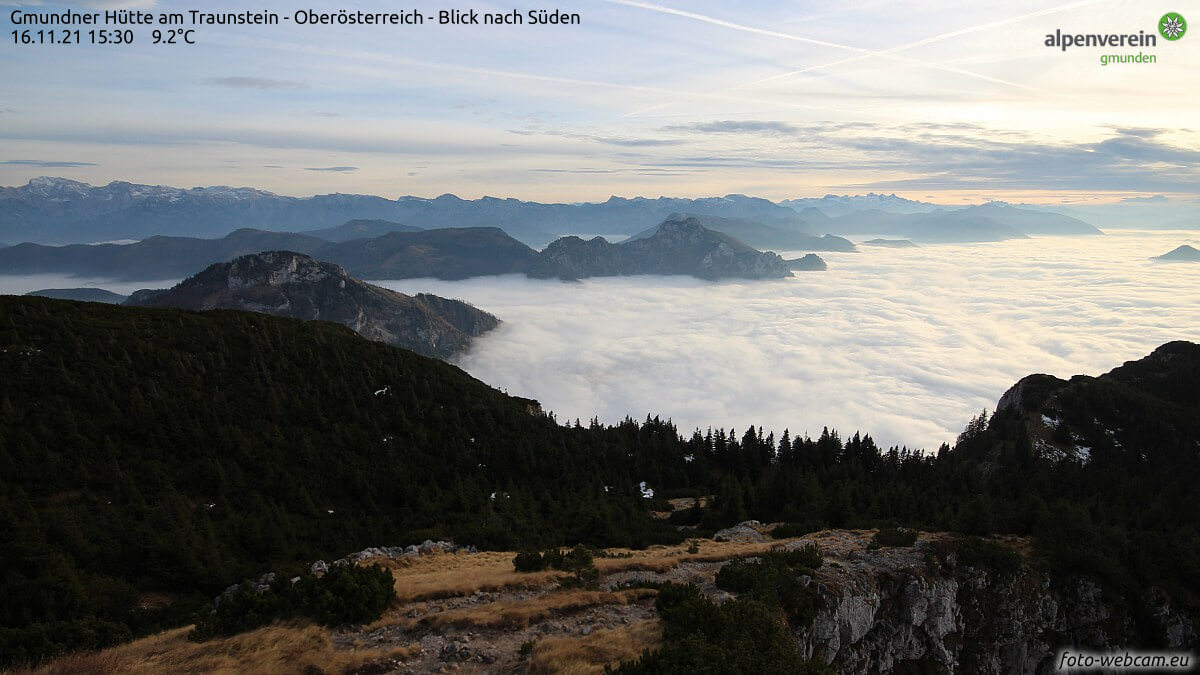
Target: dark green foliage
(346,594)
(163,451)
(989,555)
(37,641)
(1069,541)
(578,558)
(746,635)
(529,561)
(750,634)
(172,452)
(976,552)
(775,578)
(894,536)
(789,530)
(804,558)
(584,577)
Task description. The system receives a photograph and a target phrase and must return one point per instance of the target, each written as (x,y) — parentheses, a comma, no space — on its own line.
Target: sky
(940,100)
(903,344)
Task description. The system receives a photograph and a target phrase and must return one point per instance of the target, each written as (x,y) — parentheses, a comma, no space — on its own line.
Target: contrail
(862,53)
(993,24)
(928,40)
(370,56)
(735,26)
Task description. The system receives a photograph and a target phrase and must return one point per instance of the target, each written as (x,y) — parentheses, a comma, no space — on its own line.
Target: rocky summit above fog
(681,245)
(1183,253)
(282,283)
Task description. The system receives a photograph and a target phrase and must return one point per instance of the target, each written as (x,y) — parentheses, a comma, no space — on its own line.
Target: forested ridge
(151,457)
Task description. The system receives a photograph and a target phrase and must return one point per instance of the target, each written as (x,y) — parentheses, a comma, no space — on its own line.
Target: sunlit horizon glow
(934,101)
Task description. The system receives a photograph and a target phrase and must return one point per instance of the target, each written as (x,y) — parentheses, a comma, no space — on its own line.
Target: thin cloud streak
(863,53)
(46,164)
(253,83)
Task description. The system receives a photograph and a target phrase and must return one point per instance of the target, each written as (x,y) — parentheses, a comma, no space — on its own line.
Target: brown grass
(664,558)
(681,503)
(519,614)
(450,575)
(439,576)
(590,654)
(292,648)
(274,649)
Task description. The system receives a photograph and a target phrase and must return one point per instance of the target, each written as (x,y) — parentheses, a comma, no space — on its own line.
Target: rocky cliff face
(1149,408)
(678,246)
(292,285)
(920,610)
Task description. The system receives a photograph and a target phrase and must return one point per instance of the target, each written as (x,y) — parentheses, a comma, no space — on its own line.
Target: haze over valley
(904,344)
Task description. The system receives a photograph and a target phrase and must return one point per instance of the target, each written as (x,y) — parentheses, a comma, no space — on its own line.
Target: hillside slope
(292,285)
(151,457)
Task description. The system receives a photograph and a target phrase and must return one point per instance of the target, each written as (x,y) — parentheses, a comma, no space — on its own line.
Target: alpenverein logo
(1172,26)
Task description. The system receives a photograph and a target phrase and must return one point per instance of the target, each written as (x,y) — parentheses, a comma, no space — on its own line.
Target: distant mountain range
(761,236)
(987,222)
(60,211)
(890,243)
(680,245)
(150,259)
(287,284)
(1183,253)
(360,229)
(452,253)
(57,210)
(840,205)
(82,294)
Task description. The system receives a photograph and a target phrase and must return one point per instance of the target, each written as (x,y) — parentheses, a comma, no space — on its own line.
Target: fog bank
(905,344)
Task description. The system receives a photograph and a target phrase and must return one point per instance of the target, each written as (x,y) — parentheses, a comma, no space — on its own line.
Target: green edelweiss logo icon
(1172,26)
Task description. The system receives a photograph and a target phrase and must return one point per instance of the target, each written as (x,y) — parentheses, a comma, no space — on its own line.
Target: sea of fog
(904,344)
(20,285)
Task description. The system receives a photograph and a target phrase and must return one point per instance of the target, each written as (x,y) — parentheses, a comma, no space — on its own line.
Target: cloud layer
(905,344)
(45,163)
(781,100)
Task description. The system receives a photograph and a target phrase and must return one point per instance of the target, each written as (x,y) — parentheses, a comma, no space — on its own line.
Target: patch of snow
(1083,453)
(1048,451)
(689,458)
(646,490)
(386,389)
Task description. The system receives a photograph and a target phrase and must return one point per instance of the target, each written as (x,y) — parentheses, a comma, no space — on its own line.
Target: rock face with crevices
(917,610)
(282,283)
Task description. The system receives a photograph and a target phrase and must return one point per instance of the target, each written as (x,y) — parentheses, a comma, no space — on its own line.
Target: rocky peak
(283,283)
(278,268)
(680,225)
(51,186)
